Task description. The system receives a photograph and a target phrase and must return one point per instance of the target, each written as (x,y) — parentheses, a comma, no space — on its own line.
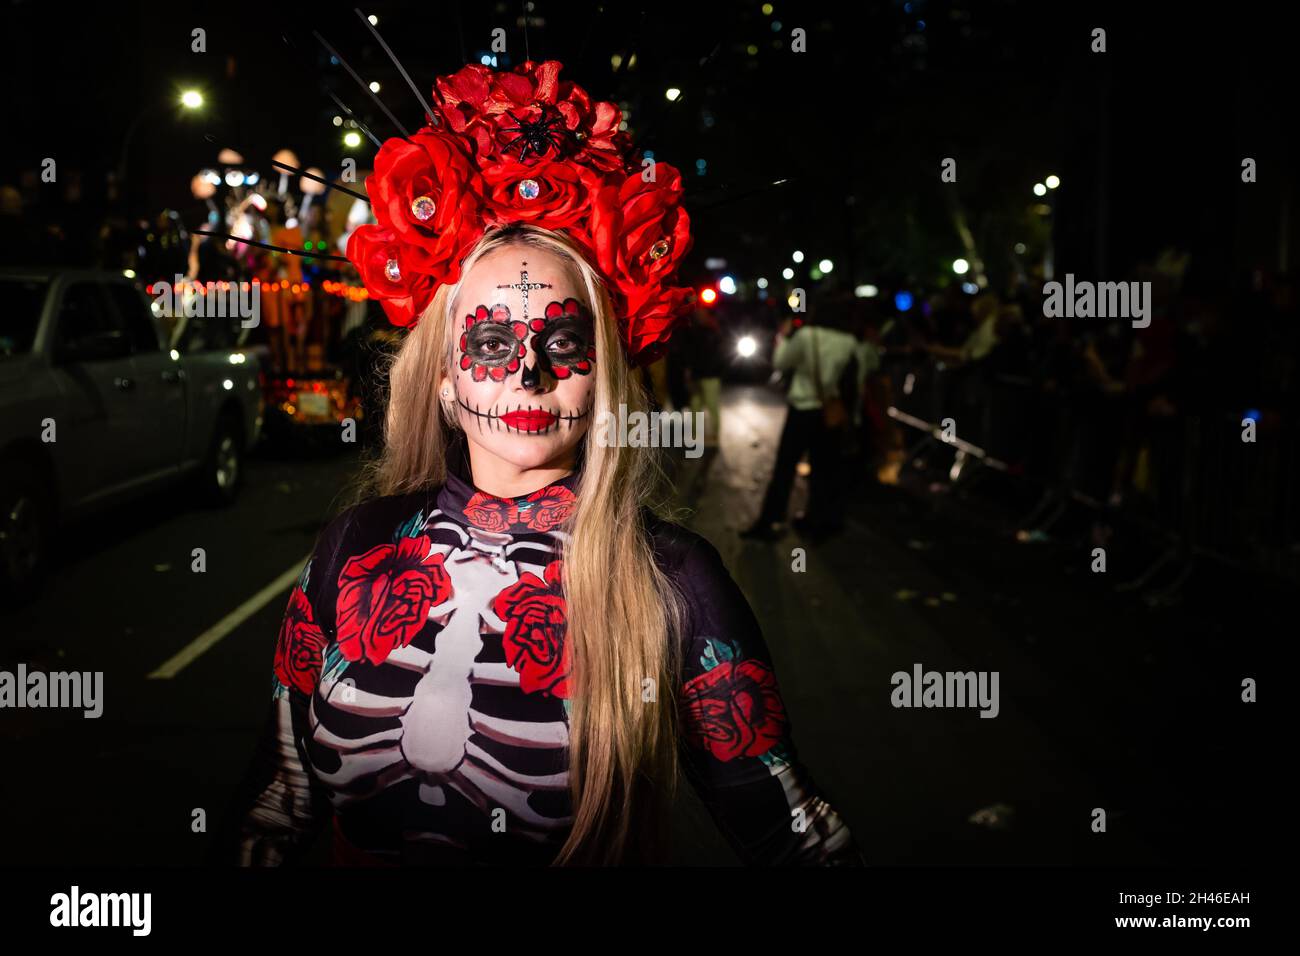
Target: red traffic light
(708,295)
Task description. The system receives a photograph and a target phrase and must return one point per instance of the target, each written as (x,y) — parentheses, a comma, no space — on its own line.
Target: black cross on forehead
(524,286)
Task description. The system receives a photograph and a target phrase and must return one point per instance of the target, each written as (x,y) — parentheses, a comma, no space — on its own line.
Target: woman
(500,655)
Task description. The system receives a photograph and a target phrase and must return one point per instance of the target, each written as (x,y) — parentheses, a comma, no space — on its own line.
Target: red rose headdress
(522,146)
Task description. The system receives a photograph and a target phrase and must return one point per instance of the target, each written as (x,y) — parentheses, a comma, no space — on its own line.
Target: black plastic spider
(536,137)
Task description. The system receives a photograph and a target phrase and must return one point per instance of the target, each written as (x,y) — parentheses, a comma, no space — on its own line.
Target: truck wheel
(26,523)
(222,473)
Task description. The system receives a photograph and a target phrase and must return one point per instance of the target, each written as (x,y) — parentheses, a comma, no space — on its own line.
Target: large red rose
(435,165)
(563,197)
(385,596)
(534,613)
(488,106)
(371,248)
(734,710)
(490,512)
(548,508)
(638,232)
(300,647)
(650,318)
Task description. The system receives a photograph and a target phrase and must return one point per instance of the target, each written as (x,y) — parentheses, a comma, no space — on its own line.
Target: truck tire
(26,529)
(222,472)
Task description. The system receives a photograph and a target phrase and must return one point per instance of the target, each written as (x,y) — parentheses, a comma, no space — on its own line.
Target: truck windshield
(21,301)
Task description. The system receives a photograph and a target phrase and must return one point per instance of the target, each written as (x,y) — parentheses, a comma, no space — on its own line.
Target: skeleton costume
(421,696)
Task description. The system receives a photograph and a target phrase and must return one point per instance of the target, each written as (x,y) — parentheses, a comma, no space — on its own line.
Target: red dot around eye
(591,352)
(464,340)
(513,366)
(583,366)
(536,325)
(498,374)
(479,373)
(520,329)
(553,310)
(572,306)
(561,372)
(465,362)
(469,320)
(523,349)
(481,312)
(500,313)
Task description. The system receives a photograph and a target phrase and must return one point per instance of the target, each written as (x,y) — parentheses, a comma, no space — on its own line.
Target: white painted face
(525,354)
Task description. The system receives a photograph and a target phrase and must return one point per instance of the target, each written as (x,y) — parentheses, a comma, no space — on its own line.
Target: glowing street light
(797,256)
(826,265)
(787,273)
(960,266)
(727,285)
(1040,189)
(762,283)
(191,99)
(1052,181)
(351,139)
(673,94)
(374,86)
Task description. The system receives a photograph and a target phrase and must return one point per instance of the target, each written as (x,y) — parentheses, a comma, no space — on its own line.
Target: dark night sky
(859,123)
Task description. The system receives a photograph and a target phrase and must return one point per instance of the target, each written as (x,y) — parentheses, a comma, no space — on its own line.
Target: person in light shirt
(816,355)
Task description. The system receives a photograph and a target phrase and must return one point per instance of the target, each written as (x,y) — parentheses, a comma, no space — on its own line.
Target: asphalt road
(912,580)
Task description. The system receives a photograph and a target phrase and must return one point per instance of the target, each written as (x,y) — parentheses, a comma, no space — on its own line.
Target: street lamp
(189,100)
(797,256)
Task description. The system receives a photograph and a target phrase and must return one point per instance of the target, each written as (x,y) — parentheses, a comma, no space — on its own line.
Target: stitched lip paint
(533,420)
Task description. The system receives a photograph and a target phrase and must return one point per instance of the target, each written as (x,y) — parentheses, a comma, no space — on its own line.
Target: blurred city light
(191,99)
(727,285)
(708,295)
(374,86)
(787,273)
(902,301)
(866,291)
(762,283)
(960,266)
(1052,181)
(826,265)
(746,346)
(797,256)
(1040,189)
(673,93)
(352,139)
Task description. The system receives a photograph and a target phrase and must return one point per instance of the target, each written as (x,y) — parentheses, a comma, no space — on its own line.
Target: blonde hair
(624,614)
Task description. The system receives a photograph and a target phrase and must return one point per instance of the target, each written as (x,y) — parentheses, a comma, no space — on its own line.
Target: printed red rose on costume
(553,194)
(428,176)
(300,647)
(548,508)
(734,710)
(387,274)
(490,512)
(385,596)
(534,613)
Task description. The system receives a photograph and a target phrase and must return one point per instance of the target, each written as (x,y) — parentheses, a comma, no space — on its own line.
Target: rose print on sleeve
(299,648)
(534,613)
(385,596)
(733,709)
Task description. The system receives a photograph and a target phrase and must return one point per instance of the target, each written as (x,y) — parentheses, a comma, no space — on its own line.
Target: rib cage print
(441,735)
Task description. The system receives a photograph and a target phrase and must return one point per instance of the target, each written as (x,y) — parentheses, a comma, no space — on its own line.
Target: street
(908,583)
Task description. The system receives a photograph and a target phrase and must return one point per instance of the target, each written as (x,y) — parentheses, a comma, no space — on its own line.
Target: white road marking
(205,641)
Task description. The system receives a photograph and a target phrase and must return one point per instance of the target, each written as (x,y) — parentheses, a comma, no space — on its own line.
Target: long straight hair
(624,614)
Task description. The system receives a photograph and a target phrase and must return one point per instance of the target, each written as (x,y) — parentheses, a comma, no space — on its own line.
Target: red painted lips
(532,420)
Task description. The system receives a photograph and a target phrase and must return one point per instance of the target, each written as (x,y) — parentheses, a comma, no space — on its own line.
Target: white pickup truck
(97,406)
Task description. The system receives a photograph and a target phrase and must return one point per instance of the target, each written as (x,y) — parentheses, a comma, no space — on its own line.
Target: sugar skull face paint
(525,350)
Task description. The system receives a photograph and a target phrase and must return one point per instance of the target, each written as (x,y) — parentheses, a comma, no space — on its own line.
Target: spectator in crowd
(817,355)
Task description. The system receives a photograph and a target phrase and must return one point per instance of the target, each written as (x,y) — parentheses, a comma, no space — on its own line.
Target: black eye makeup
(492,344)
(567,337)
